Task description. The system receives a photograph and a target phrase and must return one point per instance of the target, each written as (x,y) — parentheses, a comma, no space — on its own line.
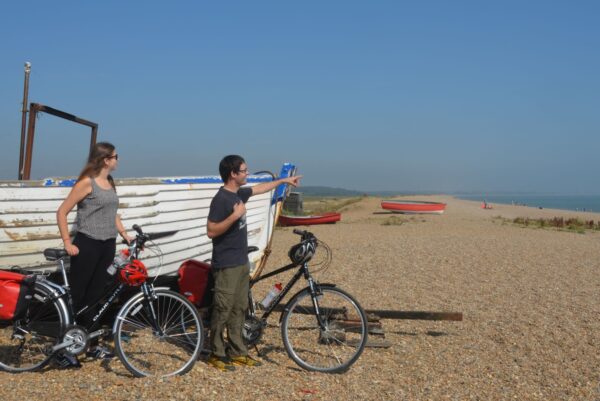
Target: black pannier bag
(16,291)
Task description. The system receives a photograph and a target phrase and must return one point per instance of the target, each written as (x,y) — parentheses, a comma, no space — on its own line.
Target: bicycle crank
(75,340)
(252,330)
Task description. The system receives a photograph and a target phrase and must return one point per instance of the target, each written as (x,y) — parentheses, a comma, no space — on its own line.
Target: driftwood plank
(376,314)
(416,315)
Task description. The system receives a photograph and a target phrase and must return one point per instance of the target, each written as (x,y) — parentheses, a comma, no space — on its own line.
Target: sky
(445,96)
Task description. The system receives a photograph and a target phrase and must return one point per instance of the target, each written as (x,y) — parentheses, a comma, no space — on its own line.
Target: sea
(581,203)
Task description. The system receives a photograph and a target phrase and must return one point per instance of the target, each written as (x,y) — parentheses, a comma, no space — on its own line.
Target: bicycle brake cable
(155,249)
(323,265)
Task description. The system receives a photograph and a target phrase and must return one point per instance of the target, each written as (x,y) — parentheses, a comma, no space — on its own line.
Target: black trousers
(88,276)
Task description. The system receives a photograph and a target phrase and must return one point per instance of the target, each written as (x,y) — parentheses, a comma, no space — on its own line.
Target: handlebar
(138,229)
(138,243)
(304,234)
(150,236)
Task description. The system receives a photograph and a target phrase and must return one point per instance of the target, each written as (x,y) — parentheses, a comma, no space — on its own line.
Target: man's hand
(239,209)
(213,230)
(294,181)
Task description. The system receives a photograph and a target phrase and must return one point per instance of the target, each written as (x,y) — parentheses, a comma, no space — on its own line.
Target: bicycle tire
(338,345)
(146,352)
(25,344)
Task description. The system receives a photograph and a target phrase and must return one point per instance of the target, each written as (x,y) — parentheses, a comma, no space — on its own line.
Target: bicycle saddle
(53,254)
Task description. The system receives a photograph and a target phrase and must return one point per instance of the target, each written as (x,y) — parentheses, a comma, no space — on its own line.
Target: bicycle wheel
(166,345)
(335,344)
(25,344)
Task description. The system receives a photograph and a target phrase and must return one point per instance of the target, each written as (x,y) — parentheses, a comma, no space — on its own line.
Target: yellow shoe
(223,364)
(245,361)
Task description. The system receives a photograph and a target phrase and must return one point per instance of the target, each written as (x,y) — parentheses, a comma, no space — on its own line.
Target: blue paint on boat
(211,180)
(287,170)
(49,182)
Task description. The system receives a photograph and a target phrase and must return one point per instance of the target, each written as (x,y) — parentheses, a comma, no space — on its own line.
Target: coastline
(583,203)
(513,211)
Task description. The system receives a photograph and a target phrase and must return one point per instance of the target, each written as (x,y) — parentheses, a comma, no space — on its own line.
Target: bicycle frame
(302,271)
(114,292)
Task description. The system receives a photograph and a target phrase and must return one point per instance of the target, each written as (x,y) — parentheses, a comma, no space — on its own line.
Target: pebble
(530,328)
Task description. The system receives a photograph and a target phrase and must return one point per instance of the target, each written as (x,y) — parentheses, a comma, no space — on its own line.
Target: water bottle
(120,259)
(271,295)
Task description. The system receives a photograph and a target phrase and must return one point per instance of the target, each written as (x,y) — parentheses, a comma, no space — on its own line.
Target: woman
(96,226)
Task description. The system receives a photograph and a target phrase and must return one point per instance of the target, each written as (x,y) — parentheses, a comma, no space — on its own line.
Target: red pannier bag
(195,282)
(16,290)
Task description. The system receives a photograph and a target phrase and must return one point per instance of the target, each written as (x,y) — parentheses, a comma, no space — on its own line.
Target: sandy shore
(531,328)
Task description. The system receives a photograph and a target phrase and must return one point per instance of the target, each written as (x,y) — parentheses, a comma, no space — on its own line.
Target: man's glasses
(244,171)
(116,157)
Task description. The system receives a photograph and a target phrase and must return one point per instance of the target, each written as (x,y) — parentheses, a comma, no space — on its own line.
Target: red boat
(420,207)
(327,218)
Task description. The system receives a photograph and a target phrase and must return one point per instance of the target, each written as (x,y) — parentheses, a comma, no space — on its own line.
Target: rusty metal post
(35,108)
(93,139)
(24,119)
(30,132)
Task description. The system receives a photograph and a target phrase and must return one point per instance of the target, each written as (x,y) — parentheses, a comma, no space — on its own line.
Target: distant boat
(28,218)
(413,207)
(326,218)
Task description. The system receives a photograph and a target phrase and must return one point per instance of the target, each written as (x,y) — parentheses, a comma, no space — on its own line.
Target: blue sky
(379,95)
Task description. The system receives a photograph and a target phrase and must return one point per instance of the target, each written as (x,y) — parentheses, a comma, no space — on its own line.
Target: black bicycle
(323,328)
(157,332)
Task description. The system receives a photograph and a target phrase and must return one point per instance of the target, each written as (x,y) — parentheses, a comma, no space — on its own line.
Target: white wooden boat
(28,218)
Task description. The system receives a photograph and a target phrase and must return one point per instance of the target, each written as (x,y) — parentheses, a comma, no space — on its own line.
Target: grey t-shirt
(230,248)
(97,212)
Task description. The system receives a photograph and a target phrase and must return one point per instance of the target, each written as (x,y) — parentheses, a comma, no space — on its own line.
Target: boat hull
(414,207)
(327,218)
(28,218)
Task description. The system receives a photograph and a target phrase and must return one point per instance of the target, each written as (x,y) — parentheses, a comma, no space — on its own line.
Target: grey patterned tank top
(96,213)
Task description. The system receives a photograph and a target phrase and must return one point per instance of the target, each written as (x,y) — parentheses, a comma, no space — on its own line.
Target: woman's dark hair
(95,162)
(230,164)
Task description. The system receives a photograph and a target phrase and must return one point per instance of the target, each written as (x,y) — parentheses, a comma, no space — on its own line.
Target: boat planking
(28,218)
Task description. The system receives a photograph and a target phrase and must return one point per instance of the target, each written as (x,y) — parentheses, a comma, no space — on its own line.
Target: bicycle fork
(314,293)
(150,296)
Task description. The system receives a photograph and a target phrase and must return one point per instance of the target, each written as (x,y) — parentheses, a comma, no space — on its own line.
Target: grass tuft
(393,221)
(560,223)
(320,205)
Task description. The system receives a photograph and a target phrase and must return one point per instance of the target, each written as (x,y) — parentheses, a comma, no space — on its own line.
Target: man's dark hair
(230,164)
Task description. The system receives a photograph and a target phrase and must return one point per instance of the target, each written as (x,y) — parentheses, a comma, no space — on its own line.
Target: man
(226,227)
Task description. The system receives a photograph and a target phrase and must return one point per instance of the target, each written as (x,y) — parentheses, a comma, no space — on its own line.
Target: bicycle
(157,332)
(323,328)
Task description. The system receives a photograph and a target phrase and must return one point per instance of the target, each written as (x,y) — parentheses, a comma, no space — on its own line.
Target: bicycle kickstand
(257,351)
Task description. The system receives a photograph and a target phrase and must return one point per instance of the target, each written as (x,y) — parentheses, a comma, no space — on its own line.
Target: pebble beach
(529,299)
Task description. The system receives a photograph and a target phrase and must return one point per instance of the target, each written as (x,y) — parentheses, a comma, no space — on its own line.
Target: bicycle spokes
(161,336)
(326,333)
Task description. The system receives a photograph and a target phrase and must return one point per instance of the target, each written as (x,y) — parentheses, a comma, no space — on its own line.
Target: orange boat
(415,207)
(327,218)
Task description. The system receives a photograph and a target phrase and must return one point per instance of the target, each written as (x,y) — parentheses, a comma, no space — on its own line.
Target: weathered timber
(416,315)
(376,314)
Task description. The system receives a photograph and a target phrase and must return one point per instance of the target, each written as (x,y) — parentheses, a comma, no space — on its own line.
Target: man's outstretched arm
(267,186)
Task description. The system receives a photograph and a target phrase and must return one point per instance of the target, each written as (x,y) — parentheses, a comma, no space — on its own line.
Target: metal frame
(35,108)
